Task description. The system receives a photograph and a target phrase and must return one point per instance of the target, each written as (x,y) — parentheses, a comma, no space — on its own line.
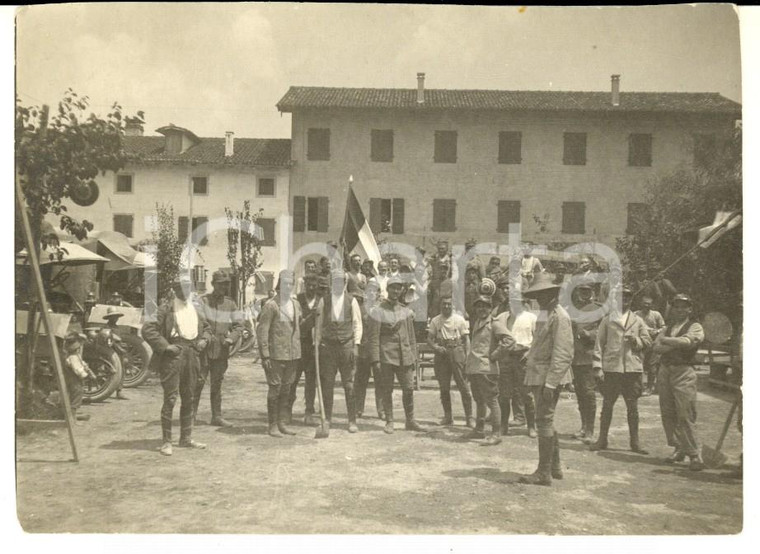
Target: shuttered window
(386,215)
(299,214)
(197,222)
(445,147)
(444,215)
(123,223)
(508,212)
(381,147)
(200,185)
(124,184)
(318,144)
(640,150)
(310,213)
(510,147)
(638,217)
(574,218)
(575,149)
(267,227)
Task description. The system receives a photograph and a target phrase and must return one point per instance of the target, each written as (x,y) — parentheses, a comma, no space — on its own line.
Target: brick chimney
(229,144)
(133,127)
(616,90)
(420,88)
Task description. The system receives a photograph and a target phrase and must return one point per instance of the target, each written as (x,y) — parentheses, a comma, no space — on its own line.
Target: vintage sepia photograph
(378,269)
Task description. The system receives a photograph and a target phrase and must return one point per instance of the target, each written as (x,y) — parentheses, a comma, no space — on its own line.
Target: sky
(222,67)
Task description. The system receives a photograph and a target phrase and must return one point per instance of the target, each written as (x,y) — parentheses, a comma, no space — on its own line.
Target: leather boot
(581,433)
(216,411)
(504,404)
(467,405)
(351,409)
(446,403)
(272,417)
(633,430)
(590,424)
(604,428)
(542,475)
(530,417)
(556,463)
(282,415)
(478,431)
(408,399)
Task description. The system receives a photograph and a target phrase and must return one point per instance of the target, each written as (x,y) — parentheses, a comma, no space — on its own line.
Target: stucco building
(205,175)
(455,164)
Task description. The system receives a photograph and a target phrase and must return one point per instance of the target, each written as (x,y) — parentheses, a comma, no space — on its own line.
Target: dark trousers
(179,376)
(651,366)
(279,379)
(75,387)
(214,371)
(446,366)
(307,368)
(336,357)
(512,389)
(584,382)
(629,385)
(485,389)
(363,372)
(677,386)
(405,376)
(545,411)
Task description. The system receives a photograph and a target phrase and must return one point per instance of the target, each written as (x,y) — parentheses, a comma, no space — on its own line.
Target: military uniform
(656,323)
(226,322)
(393,349)
(585,327)
(307,365)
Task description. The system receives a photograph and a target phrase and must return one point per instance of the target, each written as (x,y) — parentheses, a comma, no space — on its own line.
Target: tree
(677,205)
(60,154)
(243,246)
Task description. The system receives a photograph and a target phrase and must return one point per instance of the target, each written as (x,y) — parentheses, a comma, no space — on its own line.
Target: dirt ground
(421,483)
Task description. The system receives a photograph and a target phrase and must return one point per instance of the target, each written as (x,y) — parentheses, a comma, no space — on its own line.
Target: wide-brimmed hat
(113,311)
(681,297)
(543,281)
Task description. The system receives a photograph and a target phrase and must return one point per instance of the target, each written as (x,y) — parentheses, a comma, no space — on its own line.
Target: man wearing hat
(75,372)
(677,381)
(548,366)
(440,267)
(308,300)
(487,345)
(226,323)
(113,313)
(586,318)
(521,324)
(393,352)
(279,336)
(656,323)
(339,327)
(621,340)
(177,336)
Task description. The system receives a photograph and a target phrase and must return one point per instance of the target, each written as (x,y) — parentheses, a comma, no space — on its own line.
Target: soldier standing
(449,338)
(440,268)
(677,344)
(279,337)
(177,336)
(549,360)
(339,324)
(621,340)
(226,324)
(656,323)
(585,325)
(393,352)
(308,300)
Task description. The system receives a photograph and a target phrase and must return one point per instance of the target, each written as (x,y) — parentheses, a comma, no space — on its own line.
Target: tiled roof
(681,102)
(247,151)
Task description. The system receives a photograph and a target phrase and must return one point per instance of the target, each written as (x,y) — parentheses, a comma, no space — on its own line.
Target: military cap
(482,299)
(681,297)
(394,280)
(113,311)
(220,276)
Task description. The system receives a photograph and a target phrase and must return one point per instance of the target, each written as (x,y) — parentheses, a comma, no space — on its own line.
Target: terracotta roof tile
(248,151)
(681,102)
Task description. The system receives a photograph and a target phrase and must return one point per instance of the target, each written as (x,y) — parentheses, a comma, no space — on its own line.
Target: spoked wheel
(108,372)
(245,343)
(135,360)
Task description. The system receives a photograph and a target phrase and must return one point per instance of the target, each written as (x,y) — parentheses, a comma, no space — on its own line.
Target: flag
(356,236)
(724,222)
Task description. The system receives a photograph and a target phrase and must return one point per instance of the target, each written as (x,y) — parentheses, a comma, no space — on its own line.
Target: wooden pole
(42,299)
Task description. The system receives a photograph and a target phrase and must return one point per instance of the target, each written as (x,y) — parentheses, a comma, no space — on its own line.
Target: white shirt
(381,281)
(186,319)
(337,309)
(523,327)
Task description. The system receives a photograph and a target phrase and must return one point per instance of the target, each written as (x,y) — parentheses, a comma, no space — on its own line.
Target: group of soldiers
(358,322)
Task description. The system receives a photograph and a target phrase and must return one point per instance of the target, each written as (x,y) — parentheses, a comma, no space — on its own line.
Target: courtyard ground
(370,482)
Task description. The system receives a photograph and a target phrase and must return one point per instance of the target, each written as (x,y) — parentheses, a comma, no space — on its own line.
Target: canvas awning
(73,254)
(115,246)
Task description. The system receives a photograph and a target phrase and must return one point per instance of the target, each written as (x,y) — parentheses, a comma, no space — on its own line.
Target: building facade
(199,175)
(458,164)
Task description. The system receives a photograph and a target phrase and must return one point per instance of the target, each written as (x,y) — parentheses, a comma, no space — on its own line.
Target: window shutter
(375,215)
(510,147)
(299,214)
(322,213)
(438,215)
(451,223)
(182,226)
(508,212)
(574,218)
(197,223)
(398,216)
